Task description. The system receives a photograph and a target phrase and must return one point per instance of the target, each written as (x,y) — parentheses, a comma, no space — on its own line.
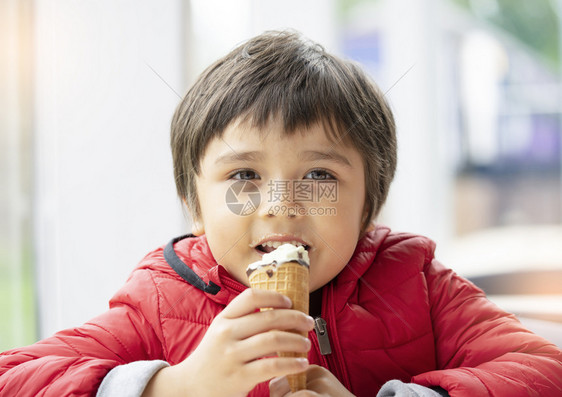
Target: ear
(370,227)
(197,227)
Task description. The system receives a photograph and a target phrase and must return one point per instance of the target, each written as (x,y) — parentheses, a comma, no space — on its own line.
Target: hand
(228,361)
(319,382)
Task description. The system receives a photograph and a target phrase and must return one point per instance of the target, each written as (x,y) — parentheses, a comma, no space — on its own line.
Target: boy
(282,142)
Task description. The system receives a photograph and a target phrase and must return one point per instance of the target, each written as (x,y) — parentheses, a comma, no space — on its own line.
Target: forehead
(246,129)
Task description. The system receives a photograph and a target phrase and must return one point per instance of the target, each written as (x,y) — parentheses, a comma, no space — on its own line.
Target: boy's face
(259,188)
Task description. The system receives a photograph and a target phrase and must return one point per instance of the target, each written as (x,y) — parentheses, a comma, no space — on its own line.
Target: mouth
(269,245)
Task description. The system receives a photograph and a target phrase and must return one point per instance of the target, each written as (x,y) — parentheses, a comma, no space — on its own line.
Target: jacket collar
(191,258)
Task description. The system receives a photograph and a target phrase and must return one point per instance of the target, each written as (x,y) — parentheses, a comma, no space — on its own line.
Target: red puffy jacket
(394,312)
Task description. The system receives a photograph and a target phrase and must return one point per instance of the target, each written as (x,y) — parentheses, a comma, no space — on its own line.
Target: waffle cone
(291,280)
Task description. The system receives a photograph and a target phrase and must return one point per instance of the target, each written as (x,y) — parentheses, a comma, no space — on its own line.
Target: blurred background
(88,89)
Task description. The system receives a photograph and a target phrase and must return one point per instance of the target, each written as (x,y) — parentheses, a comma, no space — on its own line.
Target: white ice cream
(285,253)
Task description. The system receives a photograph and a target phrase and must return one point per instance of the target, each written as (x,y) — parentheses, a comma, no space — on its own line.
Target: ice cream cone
(290,279)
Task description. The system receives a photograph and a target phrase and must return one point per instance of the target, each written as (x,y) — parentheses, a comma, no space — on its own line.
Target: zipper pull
(322,334)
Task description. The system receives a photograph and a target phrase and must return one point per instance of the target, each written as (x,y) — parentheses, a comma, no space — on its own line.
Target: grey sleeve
(129,380)
(396,388)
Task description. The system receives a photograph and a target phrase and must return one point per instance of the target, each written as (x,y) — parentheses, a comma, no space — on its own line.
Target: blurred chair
(519,268)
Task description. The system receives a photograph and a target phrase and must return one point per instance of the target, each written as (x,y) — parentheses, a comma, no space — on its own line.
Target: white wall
(104,191)
(219,25)
(414,78)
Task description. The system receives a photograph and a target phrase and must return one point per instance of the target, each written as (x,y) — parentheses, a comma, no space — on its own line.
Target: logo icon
(243,198)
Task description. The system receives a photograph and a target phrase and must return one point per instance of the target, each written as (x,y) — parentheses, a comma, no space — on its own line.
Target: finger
(262,370)
(323,382)
(316,376)
(278,319)
(251,300)
(270,343)
(279,387)
(315,371)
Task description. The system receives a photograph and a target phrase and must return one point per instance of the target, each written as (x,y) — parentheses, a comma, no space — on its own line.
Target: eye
(319,174)
(244,175)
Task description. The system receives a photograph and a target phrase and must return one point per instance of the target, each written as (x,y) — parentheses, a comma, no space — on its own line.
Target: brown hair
(281,74)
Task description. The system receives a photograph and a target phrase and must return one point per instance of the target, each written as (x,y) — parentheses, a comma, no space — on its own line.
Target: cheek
(212,202)
(324,270)
(338,236)
(337,245)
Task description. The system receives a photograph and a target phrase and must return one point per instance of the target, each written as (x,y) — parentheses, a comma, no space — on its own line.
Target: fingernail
(310,321)
(303,362)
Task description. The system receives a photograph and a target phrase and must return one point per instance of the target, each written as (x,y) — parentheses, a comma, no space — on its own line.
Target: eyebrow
(235,157)
(331,155)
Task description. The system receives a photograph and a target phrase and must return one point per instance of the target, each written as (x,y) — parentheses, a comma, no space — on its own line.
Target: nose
(279,200)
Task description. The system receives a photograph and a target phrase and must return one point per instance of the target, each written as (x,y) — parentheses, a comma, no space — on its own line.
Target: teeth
(273,244)
(276,244)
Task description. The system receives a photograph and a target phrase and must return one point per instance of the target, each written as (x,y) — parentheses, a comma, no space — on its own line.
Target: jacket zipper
(322,336)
